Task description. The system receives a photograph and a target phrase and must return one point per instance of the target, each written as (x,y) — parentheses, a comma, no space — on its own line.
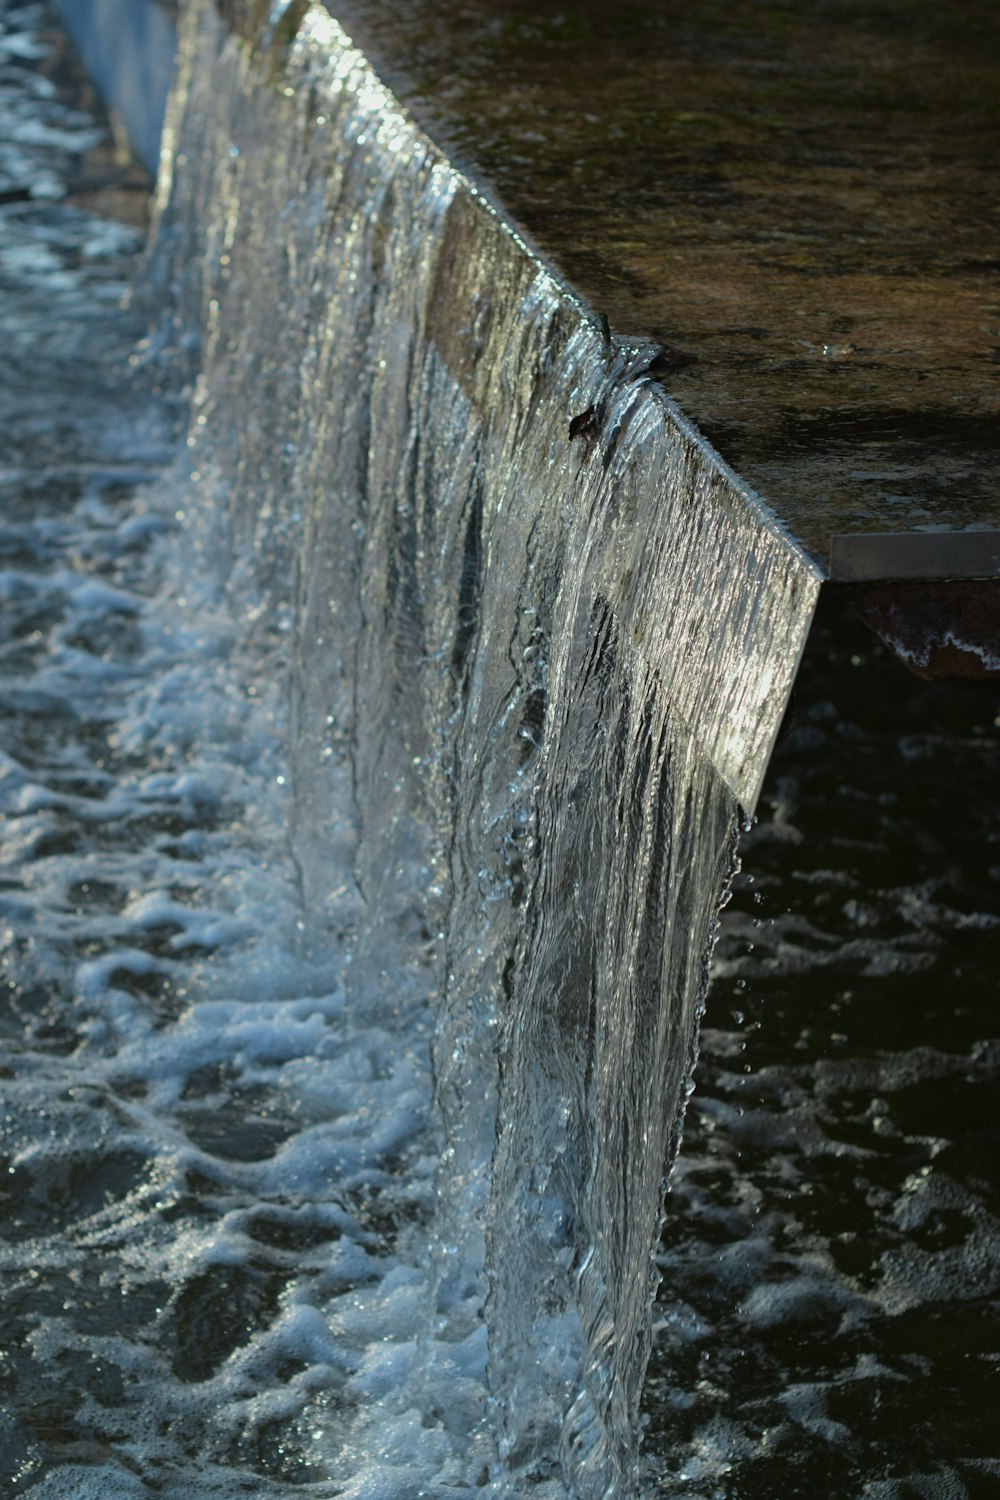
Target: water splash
(541,636)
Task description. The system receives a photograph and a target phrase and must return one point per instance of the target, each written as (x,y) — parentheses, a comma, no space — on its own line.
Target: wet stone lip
(915,555)
(796,205)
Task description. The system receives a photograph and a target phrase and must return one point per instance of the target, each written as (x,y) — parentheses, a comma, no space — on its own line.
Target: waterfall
(541,644)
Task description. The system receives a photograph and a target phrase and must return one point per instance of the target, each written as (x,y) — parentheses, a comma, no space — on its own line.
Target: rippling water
(199,1150)
(830,1310)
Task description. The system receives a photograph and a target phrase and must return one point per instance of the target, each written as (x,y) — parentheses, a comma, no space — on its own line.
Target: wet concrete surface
(797,200)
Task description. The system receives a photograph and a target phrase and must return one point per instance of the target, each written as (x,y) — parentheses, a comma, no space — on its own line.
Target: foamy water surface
(208,1165)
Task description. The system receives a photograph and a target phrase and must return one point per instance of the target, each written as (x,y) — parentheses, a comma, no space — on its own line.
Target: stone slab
(797,201)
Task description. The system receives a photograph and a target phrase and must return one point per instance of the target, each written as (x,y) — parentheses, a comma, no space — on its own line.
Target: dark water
(831,1297)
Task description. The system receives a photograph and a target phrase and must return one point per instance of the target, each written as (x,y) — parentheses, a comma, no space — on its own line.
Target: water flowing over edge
(543,642)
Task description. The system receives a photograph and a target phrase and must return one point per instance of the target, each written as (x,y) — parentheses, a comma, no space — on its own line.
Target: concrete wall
(128,49)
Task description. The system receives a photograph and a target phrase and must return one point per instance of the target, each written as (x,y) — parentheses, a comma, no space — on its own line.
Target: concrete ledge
(878,461)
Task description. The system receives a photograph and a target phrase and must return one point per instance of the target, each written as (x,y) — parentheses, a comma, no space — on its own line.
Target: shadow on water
(830,1310)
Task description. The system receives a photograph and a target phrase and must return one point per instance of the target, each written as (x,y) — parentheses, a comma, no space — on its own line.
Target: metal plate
(883,556)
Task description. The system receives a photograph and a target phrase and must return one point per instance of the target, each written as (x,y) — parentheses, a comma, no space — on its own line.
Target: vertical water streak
(632,846)
(546,658)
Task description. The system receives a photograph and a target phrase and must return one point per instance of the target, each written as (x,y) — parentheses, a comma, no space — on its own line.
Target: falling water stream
(373,765)
(536,682)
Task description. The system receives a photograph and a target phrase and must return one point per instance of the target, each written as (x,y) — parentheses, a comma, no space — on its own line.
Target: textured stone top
(799,200)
